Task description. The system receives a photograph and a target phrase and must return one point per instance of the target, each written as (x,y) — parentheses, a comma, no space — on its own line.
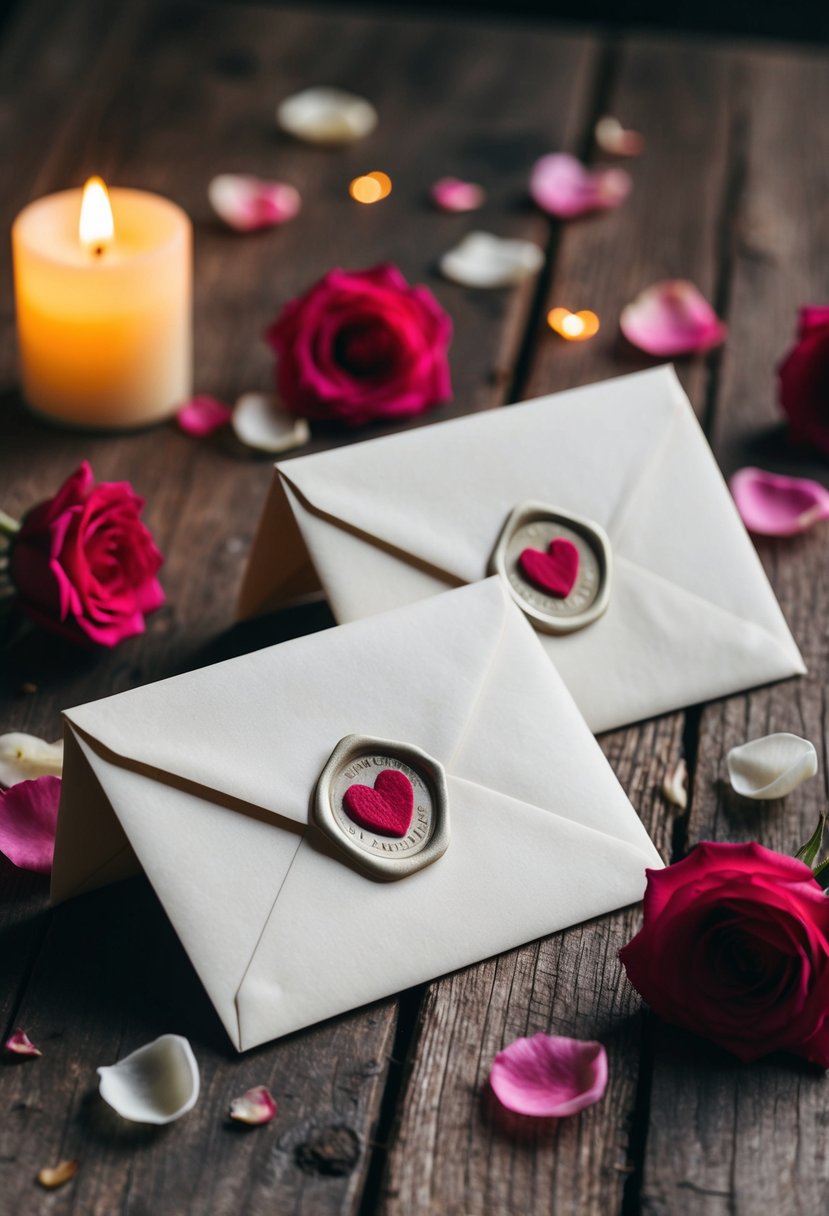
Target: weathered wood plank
(572,983)
(181,92)
(456,1153)
(724,1138)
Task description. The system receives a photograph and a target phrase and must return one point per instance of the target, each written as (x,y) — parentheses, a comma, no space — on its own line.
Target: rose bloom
(83,563)
(735,947)
(804,381)
(361,345)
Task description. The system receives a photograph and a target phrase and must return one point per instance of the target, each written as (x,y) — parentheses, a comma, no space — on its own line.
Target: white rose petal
(486,261)
(260,422)
(158,1083)
(24,757)
(771,767)
(326,116)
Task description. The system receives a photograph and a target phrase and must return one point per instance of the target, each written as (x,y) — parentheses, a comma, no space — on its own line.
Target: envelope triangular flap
(259,728)
(441,494)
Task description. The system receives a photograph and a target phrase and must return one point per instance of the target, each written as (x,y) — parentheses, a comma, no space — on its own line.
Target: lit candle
(574,326)
(104,306)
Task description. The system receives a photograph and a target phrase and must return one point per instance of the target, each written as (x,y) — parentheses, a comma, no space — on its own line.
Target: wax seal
(557,566)
(384,804)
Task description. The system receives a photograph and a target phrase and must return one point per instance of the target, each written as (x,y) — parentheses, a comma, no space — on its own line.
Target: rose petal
(771,767)
(19,1044)
(452,194)
(256,1106)
(54,1177)
(158,1083)
(28,819)
(260,422)
(674,785)
(326,116)
(248,204)
(484,260)
(564,187)
(25,756)
(671,318)
(549,1075)
(202,416)
(773,505)
(612,138)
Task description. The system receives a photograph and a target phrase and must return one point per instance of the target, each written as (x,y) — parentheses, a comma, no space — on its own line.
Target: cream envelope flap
(392,520)
(205,781)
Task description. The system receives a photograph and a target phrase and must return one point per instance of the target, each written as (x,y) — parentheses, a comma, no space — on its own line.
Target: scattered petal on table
(773,505)
(28,819)
(452,194)
(671,318)
(771,767)
(612,138)
(19,1044)
(260,422)
(549,1075)
(158,1083)
(248,203)
(674,786)
(564,187)
(56,1176)
(25,756)
(256,1106)
(484,260)
(326,116)
(203,415)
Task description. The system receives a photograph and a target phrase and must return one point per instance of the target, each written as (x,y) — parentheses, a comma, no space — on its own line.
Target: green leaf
(808,852)
(821,873)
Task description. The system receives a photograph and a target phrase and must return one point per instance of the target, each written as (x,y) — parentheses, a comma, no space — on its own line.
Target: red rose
(735,947)
(360,345)
(84,565)
(804,380)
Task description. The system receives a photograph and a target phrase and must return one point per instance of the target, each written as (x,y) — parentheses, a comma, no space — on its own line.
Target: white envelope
(204,781)
(390,521)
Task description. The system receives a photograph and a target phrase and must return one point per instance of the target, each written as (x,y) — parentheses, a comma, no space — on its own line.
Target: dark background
(796,20)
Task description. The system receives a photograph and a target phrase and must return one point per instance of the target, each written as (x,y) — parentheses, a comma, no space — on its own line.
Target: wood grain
(582,1166)
(725,1138)
(162,96)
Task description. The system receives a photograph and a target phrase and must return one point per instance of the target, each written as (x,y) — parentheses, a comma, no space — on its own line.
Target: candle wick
(99,249)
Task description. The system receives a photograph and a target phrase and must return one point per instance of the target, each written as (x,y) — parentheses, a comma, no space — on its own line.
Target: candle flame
(574,326)
(96,227)
(371,187)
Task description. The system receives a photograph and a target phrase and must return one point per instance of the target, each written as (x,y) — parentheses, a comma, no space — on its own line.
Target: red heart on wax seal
(556,570)
(387,808)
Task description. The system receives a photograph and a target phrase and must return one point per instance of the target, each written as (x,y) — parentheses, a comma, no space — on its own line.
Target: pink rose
(83,563)
(735,947)
(360,345)
(804,381)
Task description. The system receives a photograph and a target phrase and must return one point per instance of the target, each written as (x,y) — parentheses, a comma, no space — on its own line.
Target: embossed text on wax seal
(385,804)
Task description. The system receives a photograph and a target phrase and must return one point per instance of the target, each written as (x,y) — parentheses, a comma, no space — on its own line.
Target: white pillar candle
(104,310)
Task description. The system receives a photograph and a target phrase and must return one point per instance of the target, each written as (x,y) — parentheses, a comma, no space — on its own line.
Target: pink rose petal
(19,1044)
(452,194)
(255,1107)
(202,416)
(671,317)
(549,1075)
(564,187)
(771,504)
(28,819)
(612,138)
(248,203)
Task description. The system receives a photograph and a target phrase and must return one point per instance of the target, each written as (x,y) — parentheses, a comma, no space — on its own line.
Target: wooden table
(383,1110)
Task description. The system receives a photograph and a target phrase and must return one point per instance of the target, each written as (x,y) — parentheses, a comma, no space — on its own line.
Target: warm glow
(96,227)
(574,326)
(371,187)
(383,181)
